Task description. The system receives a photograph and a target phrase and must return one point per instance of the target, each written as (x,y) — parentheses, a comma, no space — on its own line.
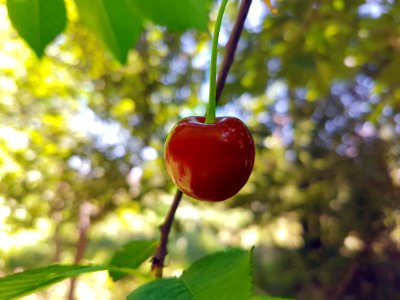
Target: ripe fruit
(210,162)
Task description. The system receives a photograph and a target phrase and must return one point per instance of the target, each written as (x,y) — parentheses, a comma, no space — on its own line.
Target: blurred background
(318,84)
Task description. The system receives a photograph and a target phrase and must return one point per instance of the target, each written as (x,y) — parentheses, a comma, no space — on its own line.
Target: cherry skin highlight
(210,162)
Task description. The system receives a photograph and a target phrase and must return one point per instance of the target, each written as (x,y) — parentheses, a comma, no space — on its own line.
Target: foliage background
(81,141)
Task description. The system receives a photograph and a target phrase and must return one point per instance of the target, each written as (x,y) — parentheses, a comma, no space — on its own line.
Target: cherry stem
(230,49)
(212,98)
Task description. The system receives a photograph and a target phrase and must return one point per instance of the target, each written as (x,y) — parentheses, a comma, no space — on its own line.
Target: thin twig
(231,46)
(165,228)
(230,49)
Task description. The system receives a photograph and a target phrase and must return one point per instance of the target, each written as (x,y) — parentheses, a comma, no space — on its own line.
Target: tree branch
(230,49)
(231,46)
(165,229)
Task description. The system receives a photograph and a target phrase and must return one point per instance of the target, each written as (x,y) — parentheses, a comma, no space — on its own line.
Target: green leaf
(177,15)
(24,283)
(132,255)
(269,298)
(38,22)
(113,22)
(166,289)
(222,276)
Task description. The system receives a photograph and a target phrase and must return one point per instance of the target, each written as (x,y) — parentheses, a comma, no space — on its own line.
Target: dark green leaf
(24,283)
(113,22)
(269,298)
(38,22)
(132,255)
(224,275)
(175,14)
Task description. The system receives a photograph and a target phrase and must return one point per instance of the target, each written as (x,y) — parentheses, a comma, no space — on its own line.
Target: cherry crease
(210,162)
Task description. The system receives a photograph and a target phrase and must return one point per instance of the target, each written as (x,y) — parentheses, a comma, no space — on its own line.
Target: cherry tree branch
(231,46)
(165,228)
(230,49)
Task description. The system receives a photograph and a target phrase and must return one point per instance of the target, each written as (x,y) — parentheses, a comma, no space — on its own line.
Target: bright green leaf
(132,255)
(222,276)
(231,271)
(24,283)
(113,22)
(38,22)
(175,14)
(166,289)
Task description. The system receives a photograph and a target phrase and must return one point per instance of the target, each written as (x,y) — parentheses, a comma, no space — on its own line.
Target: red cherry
(210,162)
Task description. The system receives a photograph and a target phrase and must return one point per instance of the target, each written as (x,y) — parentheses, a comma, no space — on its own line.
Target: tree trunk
(83,228)
(57,239)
